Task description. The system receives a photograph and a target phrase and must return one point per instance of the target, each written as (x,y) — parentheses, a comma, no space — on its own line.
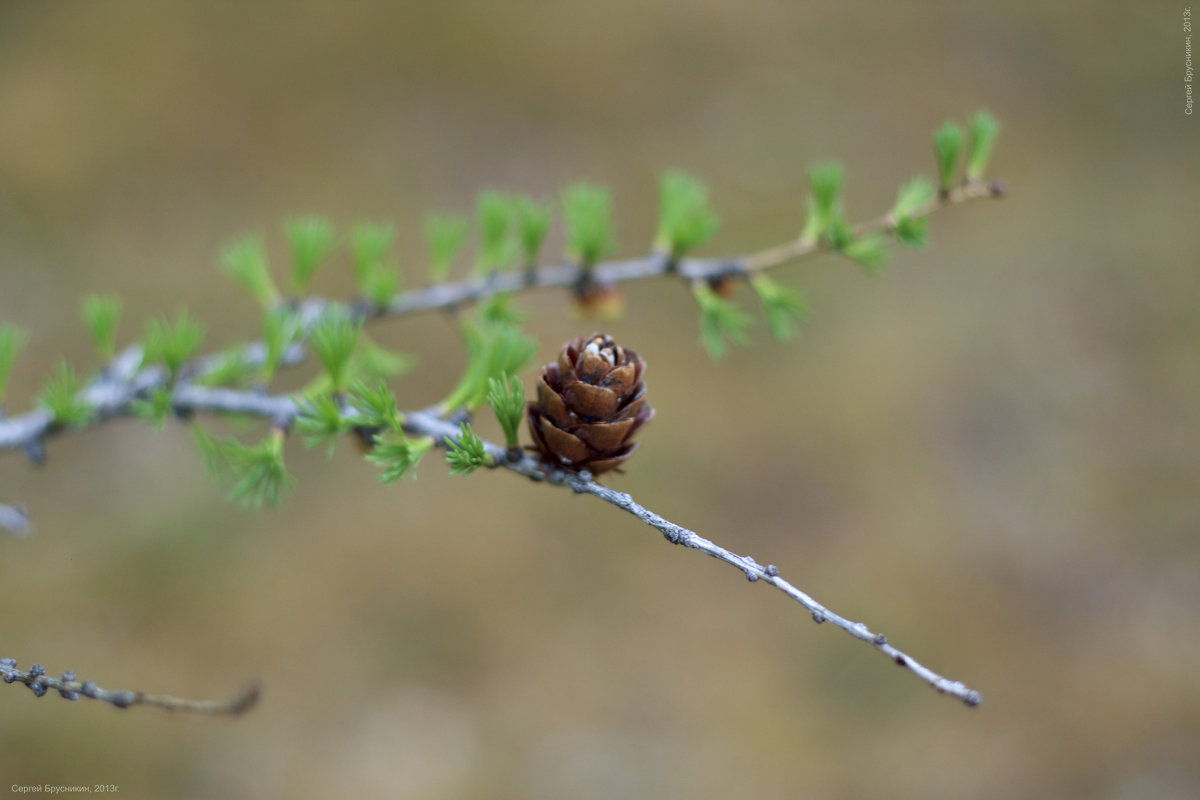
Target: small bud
(68,694)
(723,286)
(602,301)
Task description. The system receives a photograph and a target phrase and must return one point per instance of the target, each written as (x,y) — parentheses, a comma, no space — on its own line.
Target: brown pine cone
(590,404)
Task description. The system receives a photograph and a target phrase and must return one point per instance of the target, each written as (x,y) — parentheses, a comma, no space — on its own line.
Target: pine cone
(590,404)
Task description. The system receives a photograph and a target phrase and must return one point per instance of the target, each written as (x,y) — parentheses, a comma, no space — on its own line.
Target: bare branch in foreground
(282,410)
(69,688)
(428,423)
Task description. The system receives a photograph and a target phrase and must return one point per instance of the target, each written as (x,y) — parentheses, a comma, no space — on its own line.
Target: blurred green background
(990,452)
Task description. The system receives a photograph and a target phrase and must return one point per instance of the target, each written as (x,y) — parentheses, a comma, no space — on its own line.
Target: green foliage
(255,474)
(914,197)
(685,220)
(369,362)
(444,235)
(311,240)
(245,261)
(320,420)
(375,406)
(911,232)
(375,276)
(983,130)
(467,454)
(172,343)
(229,368)
(12,341)
(156,408)
(493,350)
(587,210)
(372,361)
(870,251)
(282,328)
(100,315)
(506,396)
(61,396)
(533,223)
(720,320)
(494,213)
(825,200)
(781,305)
(499,308)
(396,454)
(947,149)
(333,339)
(839,234)
(913,201)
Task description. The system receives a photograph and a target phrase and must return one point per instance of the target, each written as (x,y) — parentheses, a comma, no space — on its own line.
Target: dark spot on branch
(35,451)
(900,659)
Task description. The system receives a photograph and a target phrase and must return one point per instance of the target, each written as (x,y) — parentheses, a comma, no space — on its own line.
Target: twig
(800,247)
(282,410)
(109,393)
(14,519)
(429,424)
(452,295)
(112,394)
(69,688)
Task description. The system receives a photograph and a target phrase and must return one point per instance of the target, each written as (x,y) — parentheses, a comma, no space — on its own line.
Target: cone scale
(590,403)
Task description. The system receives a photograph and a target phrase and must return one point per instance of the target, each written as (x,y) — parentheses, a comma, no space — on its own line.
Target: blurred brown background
(989,453)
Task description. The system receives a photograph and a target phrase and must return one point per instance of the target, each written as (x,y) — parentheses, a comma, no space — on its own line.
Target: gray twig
(70,688)
(429,424)
(112,392)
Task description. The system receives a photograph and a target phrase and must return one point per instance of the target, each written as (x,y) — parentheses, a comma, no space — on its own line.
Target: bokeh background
(991,452)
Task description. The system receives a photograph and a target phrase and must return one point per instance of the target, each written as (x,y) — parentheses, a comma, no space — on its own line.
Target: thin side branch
(452,295)
(282,410)
(429,424)
(69,688)
(110,392)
